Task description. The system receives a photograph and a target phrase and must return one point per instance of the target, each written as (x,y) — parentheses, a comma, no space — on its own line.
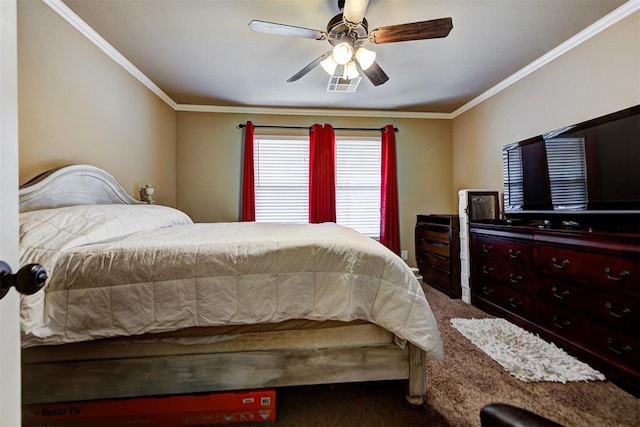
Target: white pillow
(46,232)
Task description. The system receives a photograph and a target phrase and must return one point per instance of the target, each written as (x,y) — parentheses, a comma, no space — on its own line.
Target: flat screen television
(578,172)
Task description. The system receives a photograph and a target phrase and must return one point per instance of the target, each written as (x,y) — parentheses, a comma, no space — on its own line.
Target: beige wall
(598,77)
(209,160)
(76,105)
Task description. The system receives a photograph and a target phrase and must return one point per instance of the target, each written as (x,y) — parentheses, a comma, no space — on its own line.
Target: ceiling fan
(347,32)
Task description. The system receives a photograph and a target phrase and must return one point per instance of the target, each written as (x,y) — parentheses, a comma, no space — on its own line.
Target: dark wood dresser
(438,252)
(577,288)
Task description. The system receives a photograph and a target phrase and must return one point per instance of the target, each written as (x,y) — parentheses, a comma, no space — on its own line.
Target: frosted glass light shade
(329,65)
(350,71)
(342,53)
(365,57)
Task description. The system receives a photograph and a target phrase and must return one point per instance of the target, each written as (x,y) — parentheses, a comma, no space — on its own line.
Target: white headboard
(72,185)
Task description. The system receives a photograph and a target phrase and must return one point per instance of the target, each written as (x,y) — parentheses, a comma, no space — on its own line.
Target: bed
(141,301)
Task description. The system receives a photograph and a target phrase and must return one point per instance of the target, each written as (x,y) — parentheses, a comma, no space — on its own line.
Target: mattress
(123,270)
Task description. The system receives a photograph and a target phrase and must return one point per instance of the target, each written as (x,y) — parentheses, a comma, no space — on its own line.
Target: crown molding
(602,24)
(79,24)
(612,18)
(312,112)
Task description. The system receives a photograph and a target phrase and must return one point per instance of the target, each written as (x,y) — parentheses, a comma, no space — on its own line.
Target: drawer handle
(562,266)
(612,349)
(560,295)
(486,270)
(487,291)
(561,324)
(624,313)
(621,276)
(514,255)
(486,248)
(514,302)
(515,279)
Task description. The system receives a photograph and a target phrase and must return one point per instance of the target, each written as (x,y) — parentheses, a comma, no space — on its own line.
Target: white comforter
(118,270)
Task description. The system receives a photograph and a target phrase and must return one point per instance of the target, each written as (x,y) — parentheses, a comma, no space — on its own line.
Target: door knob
(28,280)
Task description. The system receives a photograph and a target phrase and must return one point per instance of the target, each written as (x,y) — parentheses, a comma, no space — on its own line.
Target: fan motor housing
(338,30)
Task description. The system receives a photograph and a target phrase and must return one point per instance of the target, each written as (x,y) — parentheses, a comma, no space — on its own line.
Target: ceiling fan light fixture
(329,65)
(342,53)
(350,71)
(365,57)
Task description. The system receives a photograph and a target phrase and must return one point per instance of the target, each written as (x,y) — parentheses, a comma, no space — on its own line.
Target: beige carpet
(457,390)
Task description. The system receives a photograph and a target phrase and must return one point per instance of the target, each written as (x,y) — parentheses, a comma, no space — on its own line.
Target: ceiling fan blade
(309,67)
(286,30)
(433,29)
(374,73)
(354,11)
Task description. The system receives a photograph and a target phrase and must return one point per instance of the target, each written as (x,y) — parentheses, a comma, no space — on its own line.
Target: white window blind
(282,182)
(281,173)
(358,165)
(567,172)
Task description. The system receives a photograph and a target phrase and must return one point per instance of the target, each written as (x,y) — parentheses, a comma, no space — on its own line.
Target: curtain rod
(242,125)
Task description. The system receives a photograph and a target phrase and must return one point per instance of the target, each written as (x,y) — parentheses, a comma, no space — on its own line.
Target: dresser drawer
(608,271)
(617,312)
(427,241)
(435,233)
(622,348)
(437,261)
(563,323)
(506,250)
(436,277)
(564,294)
(511,300)
(513,276)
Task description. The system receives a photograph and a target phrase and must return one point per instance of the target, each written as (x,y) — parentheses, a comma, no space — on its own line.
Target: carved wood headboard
(72,185)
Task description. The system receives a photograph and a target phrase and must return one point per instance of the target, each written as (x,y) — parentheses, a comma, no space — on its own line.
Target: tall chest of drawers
(577,288)
(437,239)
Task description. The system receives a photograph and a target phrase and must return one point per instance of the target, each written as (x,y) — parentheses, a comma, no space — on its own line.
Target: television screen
(589,167)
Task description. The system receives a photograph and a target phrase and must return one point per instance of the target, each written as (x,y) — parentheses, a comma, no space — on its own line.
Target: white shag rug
(524,355)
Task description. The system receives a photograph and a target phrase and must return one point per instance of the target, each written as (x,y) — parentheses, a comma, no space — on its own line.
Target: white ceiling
(202,52)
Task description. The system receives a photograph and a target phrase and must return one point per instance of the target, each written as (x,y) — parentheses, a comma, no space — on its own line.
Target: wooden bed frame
(196,369)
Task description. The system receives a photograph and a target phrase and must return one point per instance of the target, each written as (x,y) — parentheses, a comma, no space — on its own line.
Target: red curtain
(389,225)
(248,184)
(322,181)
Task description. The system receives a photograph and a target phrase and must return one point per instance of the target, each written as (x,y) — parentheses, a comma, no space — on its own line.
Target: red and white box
(188,410)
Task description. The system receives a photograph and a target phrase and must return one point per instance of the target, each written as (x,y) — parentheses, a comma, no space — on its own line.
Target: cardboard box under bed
(190,410)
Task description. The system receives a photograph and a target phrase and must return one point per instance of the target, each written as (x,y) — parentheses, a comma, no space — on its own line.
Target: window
(358,167)
(282,182)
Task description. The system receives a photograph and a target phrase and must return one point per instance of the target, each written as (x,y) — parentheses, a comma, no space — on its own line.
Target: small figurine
(146,194)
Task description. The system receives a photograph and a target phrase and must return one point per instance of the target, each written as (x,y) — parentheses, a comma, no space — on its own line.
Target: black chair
(503,415)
